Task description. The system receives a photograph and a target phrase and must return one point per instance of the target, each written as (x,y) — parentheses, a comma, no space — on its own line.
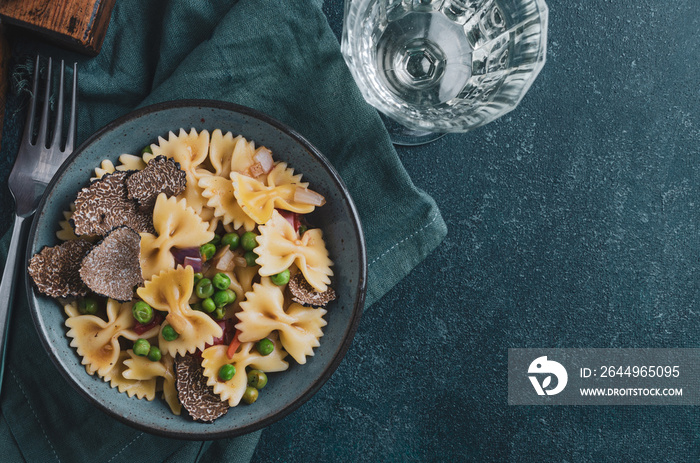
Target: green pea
(232,240)
(302,229)
(204,289)
(222,298)
(197,306)
(146,150)
(169,333)
(257,379)
(142,312)
(250,395)
(219,313)
(281,278)
(154,354)
(208,305)
(250,258)
(265,346)
(207,250)
(87,306)
(221,281)
(197,276)
(226,372)
(216,240)
(142,347)
(249,241)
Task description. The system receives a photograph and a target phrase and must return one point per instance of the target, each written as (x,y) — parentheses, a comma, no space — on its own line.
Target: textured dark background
(573,222)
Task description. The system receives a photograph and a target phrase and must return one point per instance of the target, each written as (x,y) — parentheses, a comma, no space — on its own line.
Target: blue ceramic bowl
(338,219)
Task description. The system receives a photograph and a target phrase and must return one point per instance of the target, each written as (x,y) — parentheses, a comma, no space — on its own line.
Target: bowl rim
(359,297)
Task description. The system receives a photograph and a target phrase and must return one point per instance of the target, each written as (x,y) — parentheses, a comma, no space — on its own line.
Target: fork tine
(72,127)
(29,124)
(58,126)
(44,122)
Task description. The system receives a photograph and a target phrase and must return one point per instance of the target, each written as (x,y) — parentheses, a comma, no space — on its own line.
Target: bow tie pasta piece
(243,156)
(190,150)
(106,167)
(143,369)
(245,277)
(131,162)
(71,309)
(221,151)
(127,162)
(221,199)
(263,312)
(259,200)
(213,358)
(66,232)
(170,291)
(207,215)
(143,389)
(177,226)
(97,341)
(283,175)
(279,246)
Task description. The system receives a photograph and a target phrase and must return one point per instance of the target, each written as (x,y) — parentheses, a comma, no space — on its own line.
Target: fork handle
(7,287)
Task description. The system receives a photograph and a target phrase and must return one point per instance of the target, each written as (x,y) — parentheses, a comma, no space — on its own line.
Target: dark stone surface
(573,223)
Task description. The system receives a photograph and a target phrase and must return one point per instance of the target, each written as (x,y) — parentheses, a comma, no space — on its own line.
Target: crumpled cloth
(280,58)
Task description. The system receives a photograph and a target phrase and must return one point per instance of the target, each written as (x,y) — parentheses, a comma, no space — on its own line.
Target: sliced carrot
(233,347)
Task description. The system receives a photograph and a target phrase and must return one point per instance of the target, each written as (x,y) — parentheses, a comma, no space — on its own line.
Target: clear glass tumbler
(437,66)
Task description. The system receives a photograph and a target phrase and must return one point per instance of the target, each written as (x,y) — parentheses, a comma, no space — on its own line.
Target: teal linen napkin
(280,58)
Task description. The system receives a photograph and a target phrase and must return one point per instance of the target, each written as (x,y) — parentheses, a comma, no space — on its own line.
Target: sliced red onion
(140,328)
(306,196)
(225,261)
(224,334)
(194,262)
(264,157)
(291,217)
(181,254)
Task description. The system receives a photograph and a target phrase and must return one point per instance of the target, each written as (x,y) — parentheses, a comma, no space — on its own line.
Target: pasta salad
(191,271)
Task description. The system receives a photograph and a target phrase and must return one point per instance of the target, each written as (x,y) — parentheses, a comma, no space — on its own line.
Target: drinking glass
(438,66)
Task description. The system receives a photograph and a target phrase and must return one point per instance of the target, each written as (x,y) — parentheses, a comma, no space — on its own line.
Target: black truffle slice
(104,205)
(55,270)
(161,175)
(199,400)
(113,268)
(305,294)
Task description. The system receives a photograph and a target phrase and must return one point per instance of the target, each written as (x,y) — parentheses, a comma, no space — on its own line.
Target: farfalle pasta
(221,199)
(299,328)
(142,369)
(280,247)
(97,340)
(233,390)
(259,200)
(170,292)
(141,388)
(221,263)
(177,226)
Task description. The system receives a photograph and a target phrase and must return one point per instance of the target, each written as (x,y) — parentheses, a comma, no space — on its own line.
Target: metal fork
(33,169)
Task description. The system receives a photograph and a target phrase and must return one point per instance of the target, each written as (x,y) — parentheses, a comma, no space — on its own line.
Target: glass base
(403,136)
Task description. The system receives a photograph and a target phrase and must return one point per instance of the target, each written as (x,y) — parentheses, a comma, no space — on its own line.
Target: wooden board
(80,25)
